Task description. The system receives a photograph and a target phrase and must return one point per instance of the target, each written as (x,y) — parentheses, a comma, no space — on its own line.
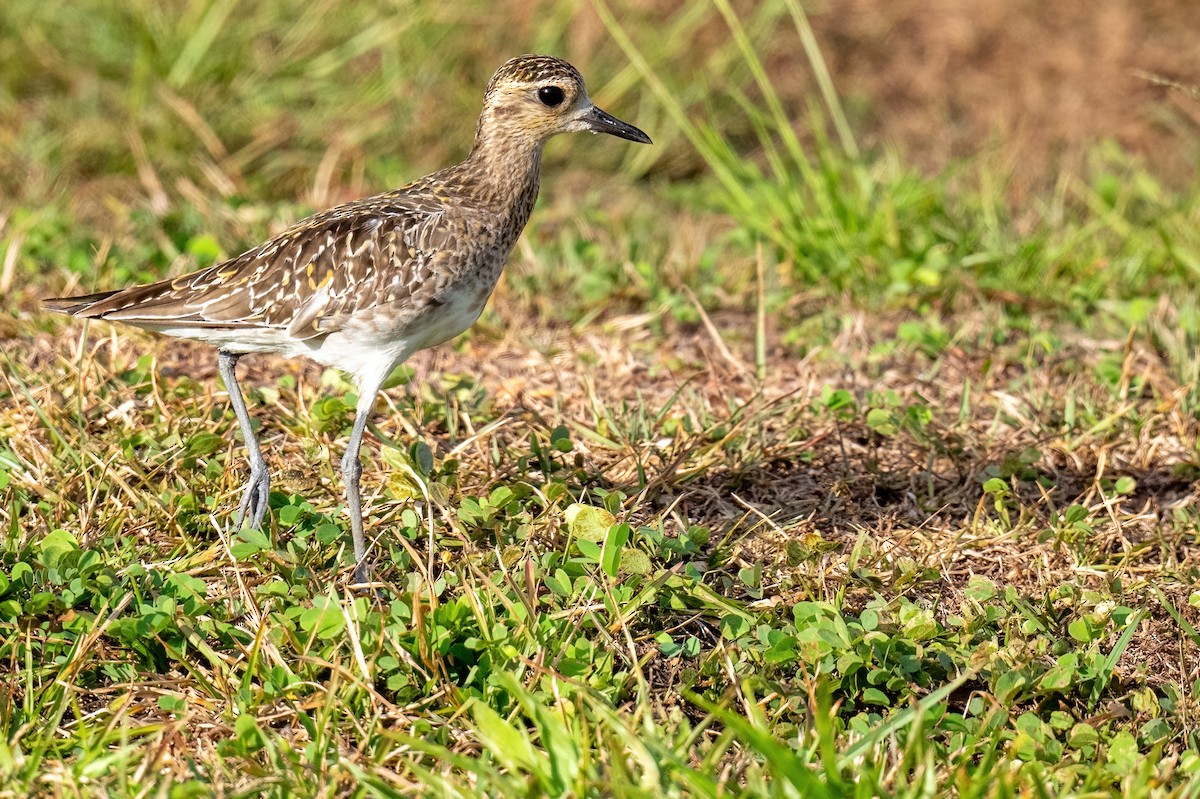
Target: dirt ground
(1037,81)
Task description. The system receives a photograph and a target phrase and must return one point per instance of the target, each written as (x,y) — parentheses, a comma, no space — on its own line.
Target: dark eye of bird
(550,95)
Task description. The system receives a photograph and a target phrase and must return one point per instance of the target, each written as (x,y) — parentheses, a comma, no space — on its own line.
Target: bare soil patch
(1041,82)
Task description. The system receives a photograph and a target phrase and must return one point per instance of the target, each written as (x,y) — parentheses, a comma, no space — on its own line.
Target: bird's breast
(451,313)
(442,311)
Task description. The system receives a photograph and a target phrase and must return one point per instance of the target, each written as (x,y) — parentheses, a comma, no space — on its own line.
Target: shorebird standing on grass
(363,286)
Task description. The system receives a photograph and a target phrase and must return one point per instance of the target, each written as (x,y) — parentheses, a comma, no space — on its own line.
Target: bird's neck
(502,174)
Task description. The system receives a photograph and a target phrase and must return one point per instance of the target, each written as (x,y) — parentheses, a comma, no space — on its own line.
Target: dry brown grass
(817,502)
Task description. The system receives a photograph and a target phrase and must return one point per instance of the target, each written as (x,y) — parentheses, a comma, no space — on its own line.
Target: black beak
(602,122)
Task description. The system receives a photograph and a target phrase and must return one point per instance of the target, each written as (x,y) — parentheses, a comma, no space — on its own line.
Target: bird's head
(534,97)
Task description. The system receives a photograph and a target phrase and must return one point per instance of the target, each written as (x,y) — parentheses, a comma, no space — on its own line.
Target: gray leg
(351,472)
(254,499)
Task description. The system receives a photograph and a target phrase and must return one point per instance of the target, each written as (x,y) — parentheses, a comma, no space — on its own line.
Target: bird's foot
(362,573)
(361,583)
(254,499)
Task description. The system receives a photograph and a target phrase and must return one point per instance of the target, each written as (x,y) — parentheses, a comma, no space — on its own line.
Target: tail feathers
(76,306)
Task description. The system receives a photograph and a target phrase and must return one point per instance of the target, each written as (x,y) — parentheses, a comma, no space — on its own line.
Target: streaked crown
(534,69)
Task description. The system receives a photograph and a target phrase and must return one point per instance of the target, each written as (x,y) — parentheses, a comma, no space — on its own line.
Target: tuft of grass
(870,226)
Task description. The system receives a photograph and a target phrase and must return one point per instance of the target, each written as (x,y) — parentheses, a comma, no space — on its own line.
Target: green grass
(805,474)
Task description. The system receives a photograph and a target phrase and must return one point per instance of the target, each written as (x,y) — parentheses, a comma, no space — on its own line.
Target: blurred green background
(910,157)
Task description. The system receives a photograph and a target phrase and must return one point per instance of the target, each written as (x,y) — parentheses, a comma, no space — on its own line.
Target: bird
(364,285)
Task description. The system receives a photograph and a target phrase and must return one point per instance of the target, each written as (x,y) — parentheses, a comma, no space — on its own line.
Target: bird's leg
(351,472)
(258,488)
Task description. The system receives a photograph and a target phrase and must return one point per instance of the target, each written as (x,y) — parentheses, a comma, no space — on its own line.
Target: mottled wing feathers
(395,258)
(309,280)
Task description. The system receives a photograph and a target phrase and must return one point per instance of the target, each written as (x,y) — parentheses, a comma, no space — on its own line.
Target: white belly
(374,345)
